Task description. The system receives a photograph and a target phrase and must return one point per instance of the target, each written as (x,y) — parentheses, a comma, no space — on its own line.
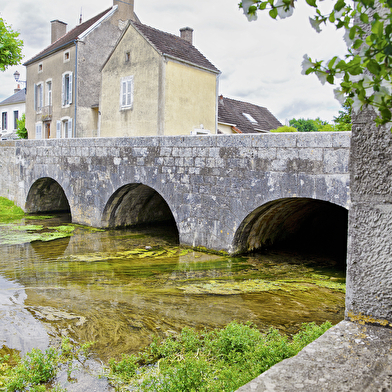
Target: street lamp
(17,76)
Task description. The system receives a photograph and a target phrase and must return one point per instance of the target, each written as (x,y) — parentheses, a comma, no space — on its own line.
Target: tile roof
(18,97)
(68,38)
(174,46)
(256,118)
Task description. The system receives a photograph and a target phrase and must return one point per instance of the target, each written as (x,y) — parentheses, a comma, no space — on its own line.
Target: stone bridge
(232,193)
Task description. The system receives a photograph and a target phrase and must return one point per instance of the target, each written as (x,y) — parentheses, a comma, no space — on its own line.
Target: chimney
(186,33)
(58,30)
(125,9)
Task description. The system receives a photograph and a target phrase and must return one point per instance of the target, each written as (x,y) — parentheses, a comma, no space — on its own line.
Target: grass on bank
(220,360)
(216,361)
(9,211)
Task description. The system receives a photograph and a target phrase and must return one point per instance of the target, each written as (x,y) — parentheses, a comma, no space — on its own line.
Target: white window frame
(4,121)
(126,93)
(49,92)
(38,130)
(66,60)
(66,99)
(64,128)
(38,101)
(58,129)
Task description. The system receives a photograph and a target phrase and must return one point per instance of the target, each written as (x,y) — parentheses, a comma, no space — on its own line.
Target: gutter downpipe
(75,86)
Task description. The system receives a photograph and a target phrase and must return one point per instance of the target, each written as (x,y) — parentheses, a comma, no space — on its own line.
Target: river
(121,287)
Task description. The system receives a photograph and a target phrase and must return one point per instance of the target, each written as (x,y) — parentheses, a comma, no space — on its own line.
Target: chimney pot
(59,29)
(186,33)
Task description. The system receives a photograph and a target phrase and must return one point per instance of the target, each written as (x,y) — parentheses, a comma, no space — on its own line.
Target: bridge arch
(46,195)
(136,204)
(294,223)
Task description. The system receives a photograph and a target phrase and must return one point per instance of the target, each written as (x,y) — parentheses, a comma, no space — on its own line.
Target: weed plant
(219,360)
(36,370)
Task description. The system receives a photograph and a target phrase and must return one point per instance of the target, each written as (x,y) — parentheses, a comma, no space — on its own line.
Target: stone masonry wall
(369,269)
(211,183)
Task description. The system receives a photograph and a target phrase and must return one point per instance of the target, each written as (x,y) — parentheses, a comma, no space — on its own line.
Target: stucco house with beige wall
(156,83)
(64,80)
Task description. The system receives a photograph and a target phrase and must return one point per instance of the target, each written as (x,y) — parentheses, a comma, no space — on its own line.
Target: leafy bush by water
(220,360)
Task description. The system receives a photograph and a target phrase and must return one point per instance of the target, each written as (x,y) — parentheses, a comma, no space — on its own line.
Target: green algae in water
(13,234)
(9,211)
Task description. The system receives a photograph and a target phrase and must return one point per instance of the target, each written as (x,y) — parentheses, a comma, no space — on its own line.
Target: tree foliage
(364,74)
(10,46)
(22,131)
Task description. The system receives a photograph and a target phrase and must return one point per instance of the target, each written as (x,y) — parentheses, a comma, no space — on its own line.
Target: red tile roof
(68,38)
(232,112)
(174,46)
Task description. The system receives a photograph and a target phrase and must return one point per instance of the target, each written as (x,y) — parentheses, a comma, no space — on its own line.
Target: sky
(260,61)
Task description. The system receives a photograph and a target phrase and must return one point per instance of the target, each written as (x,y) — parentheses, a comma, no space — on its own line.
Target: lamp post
(17,76)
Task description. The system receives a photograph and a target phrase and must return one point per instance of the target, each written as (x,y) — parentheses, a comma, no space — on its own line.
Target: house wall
(93,51)
(144,66)
(226,129)
(190,99)
(10,109)
(53,67)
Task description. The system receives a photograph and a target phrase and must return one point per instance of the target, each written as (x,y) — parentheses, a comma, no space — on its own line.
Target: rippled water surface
(120,287)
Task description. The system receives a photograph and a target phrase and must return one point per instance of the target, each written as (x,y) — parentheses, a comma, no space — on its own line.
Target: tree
(343,120)
(10,46)
(285,128)
(308,125)
(21,131)
(365,73)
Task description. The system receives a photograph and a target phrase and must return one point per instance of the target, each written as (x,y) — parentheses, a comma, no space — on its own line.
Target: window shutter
(58,130)
(129,92)
(35,97)
(38,131)
(63,92)
(70,88)
(124,93)
(41,96)
(70,128)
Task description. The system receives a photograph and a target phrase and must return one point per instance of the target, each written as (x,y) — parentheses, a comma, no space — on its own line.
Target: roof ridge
(87,24)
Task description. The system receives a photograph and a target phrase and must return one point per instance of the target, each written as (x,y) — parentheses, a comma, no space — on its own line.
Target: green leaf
(357,44)
(339,5)
(332,17)
(263,5)
(312,3)
(373,67)
(273,13)
(364,18)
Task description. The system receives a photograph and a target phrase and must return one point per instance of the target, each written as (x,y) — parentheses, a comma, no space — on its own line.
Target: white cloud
(260,61)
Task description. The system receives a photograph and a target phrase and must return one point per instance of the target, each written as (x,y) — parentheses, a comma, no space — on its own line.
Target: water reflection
(119,288)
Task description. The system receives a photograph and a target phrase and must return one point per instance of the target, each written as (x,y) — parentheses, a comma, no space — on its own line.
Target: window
(38,97)
(64,128)
(49,93)
(67,89)
(127,57)
(66,57)
(126,97)
(250,118)
(16,117)
(58,130)
(40,68)
(4,121)
(38,130)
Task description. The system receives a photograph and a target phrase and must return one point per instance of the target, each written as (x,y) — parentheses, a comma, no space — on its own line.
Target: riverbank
(348,357)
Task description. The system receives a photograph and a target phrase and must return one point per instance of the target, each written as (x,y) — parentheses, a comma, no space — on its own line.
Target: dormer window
(249,118)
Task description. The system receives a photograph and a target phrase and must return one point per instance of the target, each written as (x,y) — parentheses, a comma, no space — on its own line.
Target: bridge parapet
(210,183)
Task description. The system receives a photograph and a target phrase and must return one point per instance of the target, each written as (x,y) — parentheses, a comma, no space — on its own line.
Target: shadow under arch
(136,204)
(46,195)
(295,223)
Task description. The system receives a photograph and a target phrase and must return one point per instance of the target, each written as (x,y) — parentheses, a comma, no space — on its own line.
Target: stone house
(64,80)
(11,109)
(155,83)
(243,117)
